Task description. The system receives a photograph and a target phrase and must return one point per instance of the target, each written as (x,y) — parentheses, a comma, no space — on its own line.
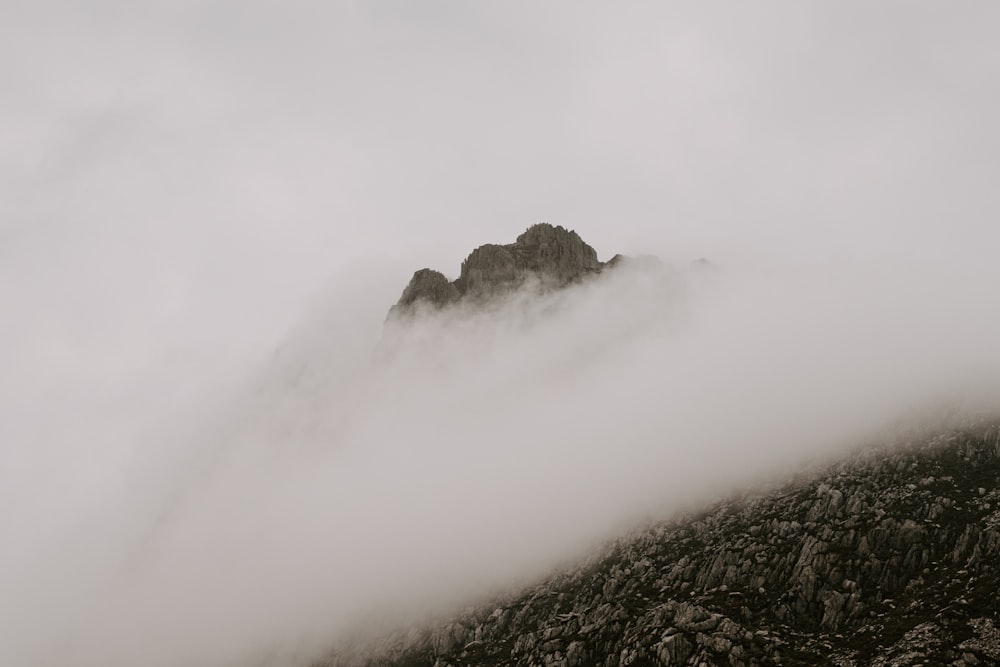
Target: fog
(212,452)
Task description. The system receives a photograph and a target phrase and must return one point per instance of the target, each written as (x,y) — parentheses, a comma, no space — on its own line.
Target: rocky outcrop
(546,255)
(891,557)
(428,286)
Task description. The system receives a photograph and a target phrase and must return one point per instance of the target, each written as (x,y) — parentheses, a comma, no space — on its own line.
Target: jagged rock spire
(550,254)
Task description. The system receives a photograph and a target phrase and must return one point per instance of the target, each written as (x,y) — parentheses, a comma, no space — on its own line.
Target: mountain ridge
(551,256)
(887,557)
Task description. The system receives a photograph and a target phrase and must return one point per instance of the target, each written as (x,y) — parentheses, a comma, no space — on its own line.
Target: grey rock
(427,287)
(546,256)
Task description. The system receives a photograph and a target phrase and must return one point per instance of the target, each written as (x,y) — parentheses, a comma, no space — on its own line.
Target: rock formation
(889,558)
(550,255)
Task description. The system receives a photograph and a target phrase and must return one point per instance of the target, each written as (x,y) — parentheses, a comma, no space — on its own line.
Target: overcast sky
(183,183)
(168,162)
(307,129)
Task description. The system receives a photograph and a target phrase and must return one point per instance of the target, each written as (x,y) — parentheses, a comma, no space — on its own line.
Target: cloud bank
(210,453)
(357,475)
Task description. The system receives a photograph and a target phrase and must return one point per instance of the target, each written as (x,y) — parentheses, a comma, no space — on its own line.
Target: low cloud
(203,462)
(362,473)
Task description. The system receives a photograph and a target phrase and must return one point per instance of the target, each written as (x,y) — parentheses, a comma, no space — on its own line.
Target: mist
(213,451)
(357,474)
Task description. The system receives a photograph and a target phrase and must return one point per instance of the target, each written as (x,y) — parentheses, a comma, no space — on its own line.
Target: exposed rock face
(890,558)
(430,286)
(551,255)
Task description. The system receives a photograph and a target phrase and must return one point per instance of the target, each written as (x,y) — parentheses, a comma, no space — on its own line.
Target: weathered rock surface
(430,286)
(891,557)
(552,256)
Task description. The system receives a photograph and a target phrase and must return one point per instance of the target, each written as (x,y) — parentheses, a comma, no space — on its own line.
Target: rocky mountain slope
(891,557)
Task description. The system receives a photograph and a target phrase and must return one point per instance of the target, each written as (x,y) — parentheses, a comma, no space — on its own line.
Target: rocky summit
(551,256)
(889,558)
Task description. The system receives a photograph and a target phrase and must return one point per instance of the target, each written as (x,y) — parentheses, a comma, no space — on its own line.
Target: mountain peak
(549,254)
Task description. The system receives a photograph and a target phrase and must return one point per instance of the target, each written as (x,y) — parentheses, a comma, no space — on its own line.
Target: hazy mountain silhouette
(888,557)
